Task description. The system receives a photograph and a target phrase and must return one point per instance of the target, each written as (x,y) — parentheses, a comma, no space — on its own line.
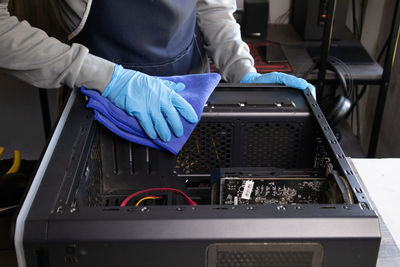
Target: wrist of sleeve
(95,73)
(237,70)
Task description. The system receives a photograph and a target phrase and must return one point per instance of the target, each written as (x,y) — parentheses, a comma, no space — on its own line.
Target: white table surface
(381,178)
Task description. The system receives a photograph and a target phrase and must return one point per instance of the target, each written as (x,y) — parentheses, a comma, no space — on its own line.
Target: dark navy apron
(157,37)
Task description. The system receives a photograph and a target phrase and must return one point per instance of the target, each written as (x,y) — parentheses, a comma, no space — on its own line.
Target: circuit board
(242,191)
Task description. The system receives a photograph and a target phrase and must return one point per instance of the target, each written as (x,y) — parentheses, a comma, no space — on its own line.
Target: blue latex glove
(153,101)
(279,78)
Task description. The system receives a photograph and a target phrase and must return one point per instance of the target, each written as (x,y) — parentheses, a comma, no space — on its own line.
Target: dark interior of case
(265,136)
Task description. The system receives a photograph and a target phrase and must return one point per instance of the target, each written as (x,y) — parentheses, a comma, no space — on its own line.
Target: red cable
(126,200)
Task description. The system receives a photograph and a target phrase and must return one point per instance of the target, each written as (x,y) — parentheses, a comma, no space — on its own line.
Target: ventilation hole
(270,146)
(208,147)
(263,145)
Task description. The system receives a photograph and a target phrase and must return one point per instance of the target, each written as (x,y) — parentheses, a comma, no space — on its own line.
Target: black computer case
(309,17)
(273,136)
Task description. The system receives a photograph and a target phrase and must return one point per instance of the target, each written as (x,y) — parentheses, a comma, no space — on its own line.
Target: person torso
(158,37)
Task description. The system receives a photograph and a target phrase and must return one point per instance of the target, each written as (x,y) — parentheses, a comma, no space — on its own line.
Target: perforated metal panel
(209,147)
(270,258)
(271,144)
(263,144)
(265,254)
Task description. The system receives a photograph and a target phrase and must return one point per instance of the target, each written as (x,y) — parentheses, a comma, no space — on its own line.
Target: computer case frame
(57,227)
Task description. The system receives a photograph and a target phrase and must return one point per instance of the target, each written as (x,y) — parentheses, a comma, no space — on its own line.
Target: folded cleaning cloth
(198,89)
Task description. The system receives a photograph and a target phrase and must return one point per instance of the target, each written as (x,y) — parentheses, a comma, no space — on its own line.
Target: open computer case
(272,184)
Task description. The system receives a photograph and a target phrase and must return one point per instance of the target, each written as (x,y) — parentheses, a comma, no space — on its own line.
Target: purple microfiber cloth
(198,89)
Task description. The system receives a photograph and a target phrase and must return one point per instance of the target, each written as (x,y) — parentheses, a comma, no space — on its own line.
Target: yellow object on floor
(17,162)
(1,151)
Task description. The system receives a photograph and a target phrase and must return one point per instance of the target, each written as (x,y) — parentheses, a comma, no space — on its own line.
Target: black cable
(347,87)
(355,24)
(362,15)
(351,120)
(325,45)
(340,76)
(383,49)
(5,210)
(358,98)
(332,66)
(357,115)
(352,114)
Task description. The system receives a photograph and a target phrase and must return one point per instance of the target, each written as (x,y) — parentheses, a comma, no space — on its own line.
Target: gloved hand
(152,101)
(280,78)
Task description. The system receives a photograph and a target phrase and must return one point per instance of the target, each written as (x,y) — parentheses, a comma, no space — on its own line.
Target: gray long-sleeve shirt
(31,55)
